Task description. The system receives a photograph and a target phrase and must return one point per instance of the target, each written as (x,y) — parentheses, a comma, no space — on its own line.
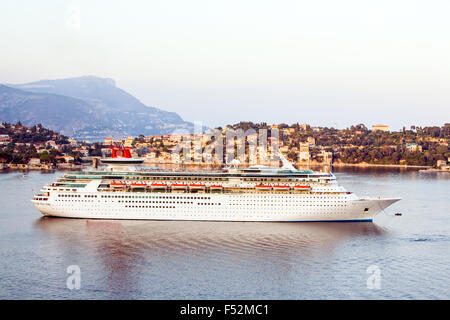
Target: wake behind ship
(256,193)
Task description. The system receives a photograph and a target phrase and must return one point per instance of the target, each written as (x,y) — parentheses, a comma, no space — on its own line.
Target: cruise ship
(254,193)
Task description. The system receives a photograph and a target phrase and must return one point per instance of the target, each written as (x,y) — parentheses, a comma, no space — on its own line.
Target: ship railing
(233,190)
(225,188)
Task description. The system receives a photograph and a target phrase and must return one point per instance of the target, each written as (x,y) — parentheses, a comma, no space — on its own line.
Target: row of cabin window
(153,201)
(174,178)
(159,207)
(150,197)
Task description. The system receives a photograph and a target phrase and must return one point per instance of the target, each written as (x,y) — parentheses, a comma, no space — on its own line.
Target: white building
(380,127)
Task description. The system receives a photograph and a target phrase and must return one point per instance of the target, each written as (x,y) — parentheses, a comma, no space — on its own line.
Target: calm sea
(396,257)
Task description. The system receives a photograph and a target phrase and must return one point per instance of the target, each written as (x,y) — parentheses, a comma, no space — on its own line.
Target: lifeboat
(216,187)
(119,184)
(263,187)
(194,186)
(281,187)
(136,184)
(302,188)
(158,186)
(179,186)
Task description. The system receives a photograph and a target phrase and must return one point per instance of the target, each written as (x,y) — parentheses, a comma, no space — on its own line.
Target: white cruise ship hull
(214,207)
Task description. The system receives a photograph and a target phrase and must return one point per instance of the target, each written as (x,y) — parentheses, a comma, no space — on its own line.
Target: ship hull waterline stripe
(253,221)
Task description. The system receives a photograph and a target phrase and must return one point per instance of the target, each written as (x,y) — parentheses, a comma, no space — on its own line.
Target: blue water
(230,260)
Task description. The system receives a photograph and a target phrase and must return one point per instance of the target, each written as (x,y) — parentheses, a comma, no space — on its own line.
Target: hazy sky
(323,62)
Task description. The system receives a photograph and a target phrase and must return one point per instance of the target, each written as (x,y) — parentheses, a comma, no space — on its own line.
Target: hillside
(88,108)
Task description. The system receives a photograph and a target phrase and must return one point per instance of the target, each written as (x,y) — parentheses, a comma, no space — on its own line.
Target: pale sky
(323,62)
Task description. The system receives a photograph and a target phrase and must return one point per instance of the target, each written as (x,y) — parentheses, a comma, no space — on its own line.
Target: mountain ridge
(112,111)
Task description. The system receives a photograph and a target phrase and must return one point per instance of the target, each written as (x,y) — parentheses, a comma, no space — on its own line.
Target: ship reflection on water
(178,237)
(131,255)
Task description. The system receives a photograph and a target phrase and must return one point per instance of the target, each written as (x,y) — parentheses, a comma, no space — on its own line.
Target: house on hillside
(413,147)
(380,127)
(4,139)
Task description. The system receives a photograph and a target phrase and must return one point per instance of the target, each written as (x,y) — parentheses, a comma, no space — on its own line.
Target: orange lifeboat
(194,186)
(302,188)
(136,184)
(119,184)
(216,187)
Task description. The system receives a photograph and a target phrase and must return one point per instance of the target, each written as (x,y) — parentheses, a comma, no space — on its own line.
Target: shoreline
(342,164)
(63,167)
(44,168)
(434,170)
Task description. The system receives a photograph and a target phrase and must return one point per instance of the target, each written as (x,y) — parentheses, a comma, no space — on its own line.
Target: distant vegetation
(24,142)
(358,144)
(354,145)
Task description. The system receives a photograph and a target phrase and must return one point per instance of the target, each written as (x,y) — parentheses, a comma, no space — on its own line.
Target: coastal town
(38,148)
